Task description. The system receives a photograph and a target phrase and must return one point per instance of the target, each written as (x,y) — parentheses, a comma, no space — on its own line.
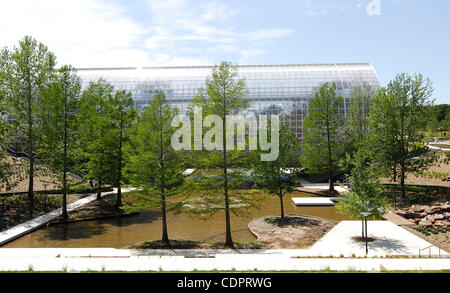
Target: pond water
(122,232)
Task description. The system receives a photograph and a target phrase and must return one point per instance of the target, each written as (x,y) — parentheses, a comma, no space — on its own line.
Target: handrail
(429,249)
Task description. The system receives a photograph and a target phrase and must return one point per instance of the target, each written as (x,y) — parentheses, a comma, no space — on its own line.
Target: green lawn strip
(235,271)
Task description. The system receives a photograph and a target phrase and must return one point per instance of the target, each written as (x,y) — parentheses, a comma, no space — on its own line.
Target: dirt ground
(19,180)
(96,209)
(438,166)
(293,232)
(14,209)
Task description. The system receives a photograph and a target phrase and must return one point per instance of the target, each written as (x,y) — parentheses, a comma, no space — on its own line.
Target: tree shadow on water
(87,229)
(67,231)
(144,217)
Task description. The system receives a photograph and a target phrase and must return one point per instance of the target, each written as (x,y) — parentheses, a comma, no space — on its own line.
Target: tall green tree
(365,193)
(446,123)
(5,166)
(120,114)
(154,167)
(94,124)
(432,125)
(323,139)
(277,177)
(358,117)
(26,71)
(396,118)
(59,108)
(224,94)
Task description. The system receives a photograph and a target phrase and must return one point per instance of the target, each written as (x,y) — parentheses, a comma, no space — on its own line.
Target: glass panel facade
(285,90)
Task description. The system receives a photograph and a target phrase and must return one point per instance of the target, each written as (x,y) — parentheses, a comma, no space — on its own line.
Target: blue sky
(404,36)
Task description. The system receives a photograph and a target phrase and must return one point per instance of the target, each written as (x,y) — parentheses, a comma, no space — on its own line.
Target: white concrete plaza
(101,259)
(335,251)
(390,240)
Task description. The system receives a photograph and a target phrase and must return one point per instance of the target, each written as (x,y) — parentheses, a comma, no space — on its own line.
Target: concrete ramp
(33,224)
(312,201)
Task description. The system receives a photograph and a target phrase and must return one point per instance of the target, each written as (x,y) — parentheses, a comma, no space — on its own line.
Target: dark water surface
(122,232)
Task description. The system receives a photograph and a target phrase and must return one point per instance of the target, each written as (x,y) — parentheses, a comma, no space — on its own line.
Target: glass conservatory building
(284,90)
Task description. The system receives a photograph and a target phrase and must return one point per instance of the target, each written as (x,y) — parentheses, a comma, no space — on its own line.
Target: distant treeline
(438,119)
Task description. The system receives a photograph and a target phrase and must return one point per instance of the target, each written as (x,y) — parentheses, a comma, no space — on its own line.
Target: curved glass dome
(285,90)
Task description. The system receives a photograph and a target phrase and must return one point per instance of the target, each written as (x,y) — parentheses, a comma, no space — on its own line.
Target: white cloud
(248,56)
(270,34)
(325,7)
(182,20)
(77,31)
(208,25)
(91,33)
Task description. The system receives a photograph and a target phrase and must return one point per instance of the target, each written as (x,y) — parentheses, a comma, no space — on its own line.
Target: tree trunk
(119,197)
(31,157)
(394,173)
(30,184)
(64,207)
(99,190)
(162,183)
(119,174)
(331,187)
(64,203)
(402,182)
(330,159)
(228,238)
(165,236)
(402,159)
(280,195)
(281,205)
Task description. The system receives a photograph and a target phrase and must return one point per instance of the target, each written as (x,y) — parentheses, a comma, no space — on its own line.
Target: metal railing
(429,250)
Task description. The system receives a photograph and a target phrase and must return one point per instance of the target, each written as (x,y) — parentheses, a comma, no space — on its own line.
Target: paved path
(31,225)
(398,220)
(390,240)
(337,251)
(441,143)
(321,186)
(312,201)
(188,172)
(108,259)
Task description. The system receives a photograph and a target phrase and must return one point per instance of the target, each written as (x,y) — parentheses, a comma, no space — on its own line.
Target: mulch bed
(292,232)
(97,209)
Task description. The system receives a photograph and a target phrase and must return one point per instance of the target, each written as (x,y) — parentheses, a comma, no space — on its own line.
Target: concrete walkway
(335,251)
(31,225)
(390,240)
(107,259)
(321,186)
(396,219)
(441,143)
(312,201)
(188,172)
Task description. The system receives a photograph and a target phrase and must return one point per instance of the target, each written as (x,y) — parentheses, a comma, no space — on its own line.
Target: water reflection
(67,231)
(122,232)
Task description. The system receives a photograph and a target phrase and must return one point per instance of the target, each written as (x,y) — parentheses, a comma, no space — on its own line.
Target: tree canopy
(396,117)
(323,138)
